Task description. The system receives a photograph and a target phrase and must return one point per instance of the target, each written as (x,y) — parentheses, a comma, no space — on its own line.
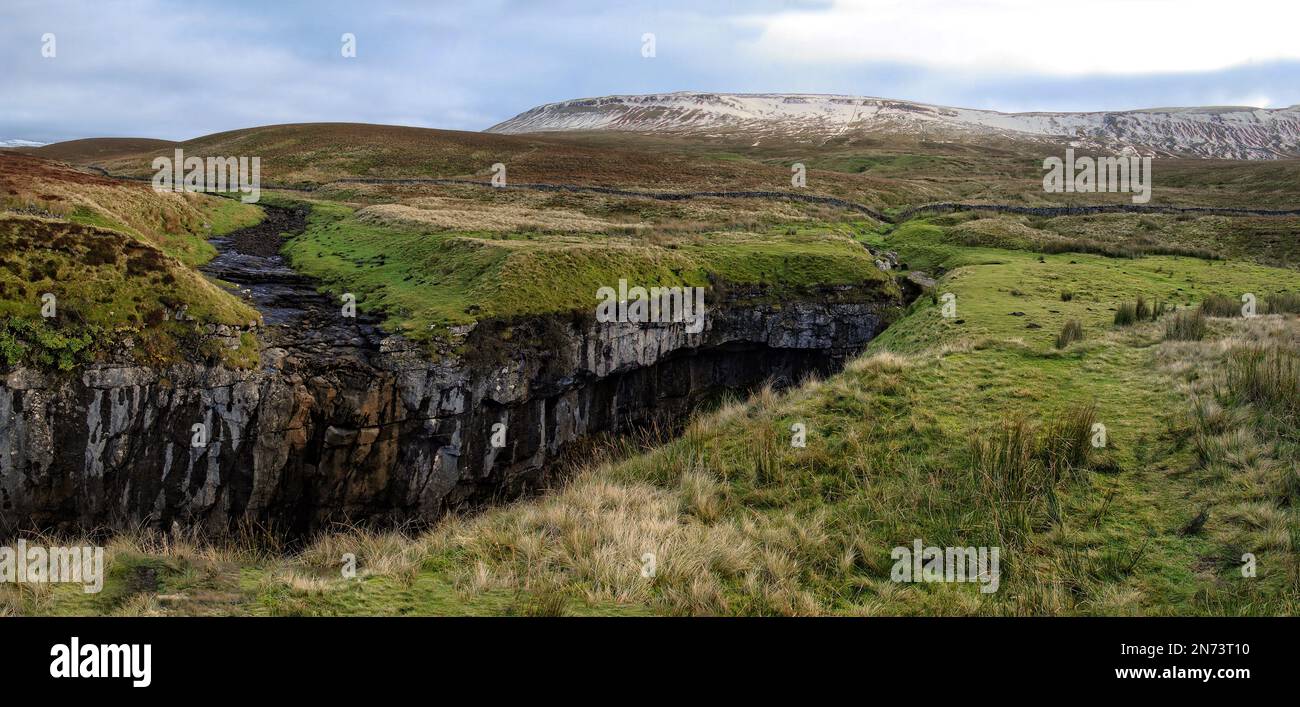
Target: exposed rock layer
(373,430)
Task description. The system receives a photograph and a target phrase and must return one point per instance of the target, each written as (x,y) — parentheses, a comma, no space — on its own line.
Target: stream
(297,317)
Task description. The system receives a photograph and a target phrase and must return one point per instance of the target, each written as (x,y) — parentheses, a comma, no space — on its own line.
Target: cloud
(159,69)
(178,70)
(1072,39)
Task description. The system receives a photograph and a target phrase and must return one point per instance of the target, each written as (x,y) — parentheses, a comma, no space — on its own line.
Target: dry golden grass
(463,215)
(1250,466)
(526,210)
(175,222)
(597,532)
(383,554)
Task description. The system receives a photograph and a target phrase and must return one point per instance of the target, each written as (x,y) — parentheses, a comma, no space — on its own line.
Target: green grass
(151,575)
(186,241)
(423,282)
(108,287)
(986,305)
(118,260)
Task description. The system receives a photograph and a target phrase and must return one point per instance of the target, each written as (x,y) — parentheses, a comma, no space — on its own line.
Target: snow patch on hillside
(1230,132)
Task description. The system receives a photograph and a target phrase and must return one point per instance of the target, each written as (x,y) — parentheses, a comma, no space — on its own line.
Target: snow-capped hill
(1229,132)
(20,143)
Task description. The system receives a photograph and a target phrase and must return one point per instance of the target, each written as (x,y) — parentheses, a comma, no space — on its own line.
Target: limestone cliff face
(381,434)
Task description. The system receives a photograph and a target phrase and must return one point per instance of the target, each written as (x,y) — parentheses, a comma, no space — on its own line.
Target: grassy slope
(424,281)
(315,153)
(94,150)
(1271,241)
(741,522)
(898,170)
(1025,282)
(118,257)
(178,224)
(108,288)
(880,170)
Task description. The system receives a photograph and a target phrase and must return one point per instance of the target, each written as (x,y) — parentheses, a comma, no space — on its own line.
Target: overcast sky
(186,68)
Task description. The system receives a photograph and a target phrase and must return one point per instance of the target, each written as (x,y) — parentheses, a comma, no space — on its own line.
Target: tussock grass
(1187,325)
(1130,313)
(1244,445)
(1070,333)
(1011,477)
(594,534)
(1140,309)
(1066,442)
(1283,303)
(387,554)
(1126,314)
(1266,375)
(1020,466)
(1220,306)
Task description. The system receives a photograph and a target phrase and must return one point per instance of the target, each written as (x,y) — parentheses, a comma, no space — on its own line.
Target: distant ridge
(1217,131)
(98,148)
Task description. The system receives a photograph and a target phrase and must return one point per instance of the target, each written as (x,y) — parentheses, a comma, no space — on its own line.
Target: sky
(184,68)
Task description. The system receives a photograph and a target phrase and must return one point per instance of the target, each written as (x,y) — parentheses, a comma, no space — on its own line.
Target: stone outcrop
(381,432)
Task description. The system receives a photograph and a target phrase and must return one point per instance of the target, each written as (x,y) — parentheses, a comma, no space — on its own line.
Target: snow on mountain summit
(1226,132)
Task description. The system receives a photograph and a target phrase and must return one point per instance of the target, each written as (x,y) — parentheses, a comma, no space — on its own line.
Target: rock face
(383,433)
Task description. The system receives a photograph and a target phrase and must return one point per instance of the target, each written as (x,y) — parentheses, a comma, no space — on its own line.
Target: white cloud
(1036,36)
(159,70)
(179,70)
